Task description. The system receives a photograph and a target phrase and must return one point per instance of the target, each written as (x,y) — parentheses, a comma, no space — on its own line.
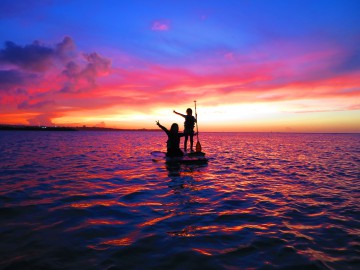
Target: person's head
(174,128)
(189,111)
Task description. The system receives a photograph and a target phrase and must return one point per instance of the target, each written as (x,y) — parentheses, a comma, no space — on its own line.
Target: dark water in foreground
(96,200)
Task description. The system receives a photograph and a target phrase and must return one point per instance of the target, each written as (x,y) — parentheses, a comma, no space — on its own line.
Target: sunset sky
(251,65)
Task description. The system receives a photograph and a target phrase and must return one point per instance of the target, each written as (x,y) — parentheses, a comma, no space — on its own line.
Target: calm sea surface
(97,200)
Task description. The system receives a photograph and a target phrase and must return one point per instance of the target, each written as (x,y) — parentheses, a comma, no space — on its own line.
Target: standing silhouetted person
(189,124)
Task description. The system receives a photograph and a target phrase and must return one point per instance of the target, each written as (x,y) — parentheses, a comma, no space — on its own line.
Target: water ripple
(96,200)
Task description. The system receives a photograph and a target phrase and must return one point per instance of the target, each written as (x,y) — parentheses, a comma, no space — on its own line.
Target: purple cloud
(79,78)
(13,79)
(37,57)
(33,57)
(37,105)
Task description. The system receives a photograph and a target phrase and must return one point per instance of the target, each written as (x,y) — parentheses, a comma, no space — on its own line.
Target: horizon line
(95,128)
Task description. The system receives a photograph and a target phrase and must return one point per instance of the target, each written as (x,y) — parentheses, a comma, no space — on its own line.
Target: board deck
(188,158)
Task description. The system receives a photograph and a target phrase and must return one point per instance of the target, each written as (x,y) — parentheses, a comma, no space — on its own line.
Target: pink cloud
(160,26)
(271,80)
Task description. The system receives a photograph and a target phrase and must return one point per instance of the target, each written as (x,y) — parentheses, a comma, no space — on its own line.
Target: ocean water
(97,200)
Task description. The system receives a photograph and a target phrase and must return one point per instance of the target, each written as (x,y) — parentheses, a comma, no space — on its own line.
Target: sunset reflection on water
(263,200)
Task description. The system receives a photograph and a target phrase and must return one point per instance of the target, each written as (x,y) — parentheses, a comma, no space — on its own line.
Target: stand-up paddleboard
(196,158)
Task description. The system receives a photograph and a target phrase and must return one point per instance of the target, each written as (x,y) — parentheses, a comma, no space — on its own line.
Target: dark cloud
(13,79)
(33,57)
(66,49)
(72,70)
(37,105)
(9,77)
(36,57)
(96,66)
(30,64)
(79,78)
(36,76)
(99,64)
(21,91)
(68,88)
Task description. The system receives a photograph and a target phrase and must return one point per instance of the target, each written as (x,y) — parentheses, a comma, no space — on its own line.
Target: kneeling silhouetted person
(173,142)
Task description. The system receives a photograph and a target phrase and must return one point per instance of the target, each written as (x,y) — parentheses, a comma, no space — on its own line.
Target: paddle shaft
(197,128)
(198,145)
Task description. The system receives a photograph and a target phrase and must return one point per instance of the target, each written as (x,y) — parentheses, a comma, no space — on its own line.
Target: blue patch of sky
(195,26)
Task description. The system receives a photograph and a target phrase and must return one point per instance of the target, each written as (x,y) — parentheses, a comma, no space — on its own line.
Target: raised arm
(183,115)
(161,126)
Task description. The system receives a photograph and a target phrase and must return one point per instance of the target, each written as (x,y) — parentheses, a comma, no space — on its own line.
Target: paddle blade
(198,147)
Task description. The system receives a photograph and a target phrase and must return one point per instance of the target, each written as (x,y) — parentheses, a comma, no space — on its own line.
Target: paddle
(198,145)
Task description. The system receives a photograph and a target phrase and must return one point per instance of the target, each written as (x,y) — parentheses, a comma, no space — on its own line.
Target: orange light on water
(93,203)
(119,242)
(152,222)
(202,251)
(105,222)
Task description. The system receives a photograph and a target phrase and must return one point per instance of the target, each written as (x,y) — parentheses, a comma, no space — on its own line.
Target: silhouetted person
(173,142)
(189,125)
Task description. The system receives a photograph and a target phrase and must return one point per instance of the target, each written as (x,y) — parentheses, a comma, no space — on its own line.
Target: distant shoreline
(5,127)
(56,128)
